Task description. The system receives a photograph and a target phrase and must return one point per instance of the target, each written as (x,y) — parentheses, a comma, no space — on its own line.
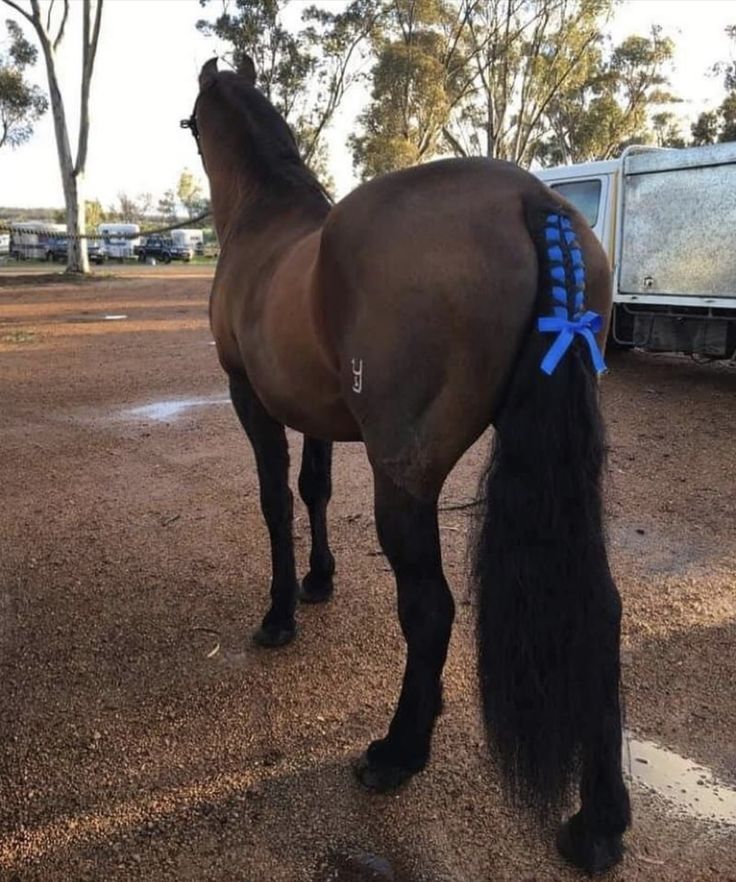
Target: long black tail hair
(549,611)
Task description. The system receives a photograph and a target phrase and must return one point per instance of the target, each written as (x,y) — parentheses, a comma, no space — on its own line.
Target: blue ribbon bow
(587,324)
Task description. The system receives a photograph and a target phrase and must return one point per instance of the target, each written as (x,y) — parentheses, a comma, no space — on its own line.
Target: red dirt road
(142,735)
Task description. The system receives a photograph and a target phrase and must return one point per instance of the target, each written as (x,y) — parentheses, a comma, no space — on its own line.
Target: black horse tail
(549,611)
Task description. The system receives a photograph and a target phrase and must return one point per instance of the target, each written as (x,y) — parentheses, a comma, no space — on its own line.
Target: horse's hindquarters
(426,312)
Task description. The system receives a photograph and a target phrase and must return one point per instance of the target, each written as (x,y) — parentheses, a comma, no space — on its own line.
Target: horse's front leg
(272,459)
(315,488)
(409,534)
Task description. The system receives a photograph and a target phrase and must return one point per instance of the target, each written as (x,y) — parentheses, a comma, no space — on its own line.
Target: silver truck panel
(678,234)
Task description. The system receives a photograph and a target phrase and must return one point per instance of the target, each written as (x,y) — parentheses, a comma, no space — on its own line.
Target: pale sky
(145,81)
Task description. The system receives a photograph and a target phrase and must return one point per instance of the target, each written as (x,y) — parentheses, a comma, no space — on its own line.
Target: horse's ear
(247,69)
(208,73)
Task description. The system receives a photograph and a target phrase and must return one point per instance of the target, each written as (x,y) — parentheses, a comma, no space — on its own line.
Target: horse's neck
(239,205)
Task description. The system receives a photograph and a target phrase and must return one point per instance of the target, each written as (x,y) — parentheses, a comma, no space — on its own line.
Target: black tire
(166,257)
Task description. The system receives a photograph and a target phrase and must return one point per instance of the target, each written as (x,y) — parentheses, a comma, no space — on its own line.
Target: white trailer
(193,239)
(31,240)
(119,241)
(667,219)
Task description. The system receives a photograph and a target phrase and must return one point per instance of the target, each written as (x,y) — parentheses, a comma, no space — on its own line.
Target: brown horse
(425,306)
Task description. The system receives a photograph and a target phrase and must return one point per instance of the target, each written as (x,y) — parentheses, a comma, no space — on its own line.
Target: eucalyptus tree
(49,22)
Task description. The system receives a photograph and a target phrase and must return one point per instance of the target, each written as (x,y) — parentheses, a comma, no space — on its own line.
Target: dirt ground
(142,735)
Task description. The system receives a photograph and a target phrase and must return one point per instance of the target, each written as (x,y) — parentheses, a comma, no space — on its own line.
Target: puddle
(171,409)
(88,317)
(691,788)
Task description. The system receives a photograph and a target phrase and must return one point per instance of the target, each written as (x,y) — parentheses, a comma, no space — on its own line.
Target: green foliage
(94,214)
(705,128)
(520,80)
(728,116)
(21,104)
(167,206)
(189,191)
(619,101)
(666,130)
(530,55)
(420,75)
(304,73)
(719,125)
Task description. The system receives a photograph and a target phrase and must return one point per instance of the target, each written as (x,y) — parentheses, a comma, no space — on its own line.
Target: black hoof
(274,635)
(380,775)
(593,853)
(316,590)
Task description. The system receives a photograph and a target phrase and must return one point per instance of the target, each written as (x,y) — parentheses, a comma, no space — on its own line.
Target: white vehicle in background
(33,240)
(192,239)
(667,219)
(119,241)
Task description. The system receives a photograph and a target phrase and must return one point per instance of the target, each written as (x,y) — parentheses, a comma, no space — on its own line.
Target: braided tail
(549,612)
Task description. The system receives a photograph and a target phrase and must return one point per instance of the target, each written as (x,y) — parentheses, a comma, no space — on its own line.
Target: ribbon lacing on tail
(568,319)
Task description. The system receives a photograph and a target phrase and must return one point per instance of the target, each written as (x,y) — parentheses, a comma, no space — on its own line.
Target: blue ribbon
(587,324)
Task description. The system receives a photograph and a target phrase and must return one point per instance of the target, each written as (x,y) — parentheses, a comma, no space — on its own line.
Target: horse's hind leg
(409,534)
(315,488)
(272,459)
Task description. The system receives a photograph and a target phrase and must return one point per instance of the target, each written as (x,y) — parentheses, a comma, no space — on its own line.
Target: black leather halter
(191,124)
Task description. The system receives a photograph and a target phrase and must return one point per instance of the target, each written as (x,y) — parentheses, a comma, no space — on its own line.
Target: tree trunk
(72,174)
(77,259)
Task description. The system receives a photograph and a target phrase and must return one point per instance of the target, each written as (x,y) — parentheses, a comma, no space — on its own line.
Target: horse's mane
(272,150)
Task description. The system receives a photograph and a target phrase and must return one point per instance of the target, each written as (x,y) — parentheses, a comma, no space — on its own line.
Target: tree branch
(64,17)
(22,11)
(454,143)
(89,51)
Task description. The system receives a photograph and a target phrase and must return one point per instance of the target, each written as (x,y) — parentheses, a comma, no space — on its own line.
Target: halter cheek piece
(191,124)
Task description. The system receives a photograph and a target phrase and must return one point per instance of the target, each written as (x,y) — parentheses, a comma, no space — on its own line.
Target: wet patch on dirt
(170,409)
(688,788)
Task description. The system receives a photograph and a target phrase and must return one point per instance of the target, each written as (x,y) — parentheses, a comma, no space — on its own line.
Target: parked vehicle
(57,250)
(667,219)
(4,243)
(119,241)
(193,239)
(95,252)
(163,248)
(30,240)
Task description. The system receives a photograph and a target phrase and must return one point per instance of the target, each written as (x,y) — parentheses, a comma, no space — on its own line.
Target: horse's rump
(426,286)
